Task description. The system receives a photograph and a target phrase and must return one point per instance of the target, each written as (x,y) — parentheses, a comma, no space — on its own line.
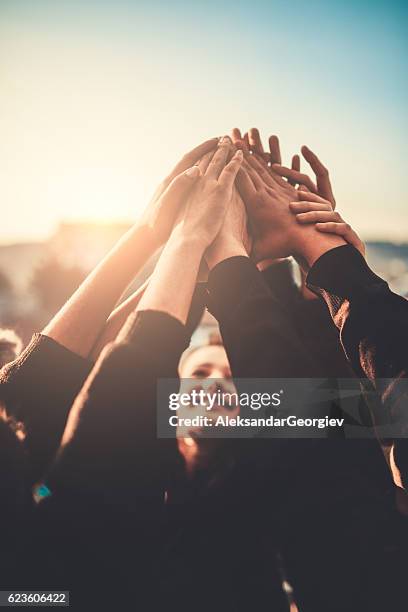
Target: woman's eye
(200,373)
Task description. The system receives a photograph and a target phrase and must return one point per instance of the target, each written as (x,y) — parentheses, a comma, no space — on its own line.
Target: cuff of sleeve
(342,272)
(230,282)
(45,361)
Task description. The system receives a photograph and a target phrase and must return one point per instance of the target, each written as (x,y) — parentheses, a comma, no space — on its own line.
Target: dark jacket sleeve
(258,334)
(372,321)
(111,446)
(373,326)
(280,279)
(38,389)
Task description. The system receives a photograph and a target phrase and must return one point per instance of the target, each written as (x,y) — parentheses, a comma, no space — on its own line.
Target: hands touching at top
(322,186)
(274,229)
(317,199)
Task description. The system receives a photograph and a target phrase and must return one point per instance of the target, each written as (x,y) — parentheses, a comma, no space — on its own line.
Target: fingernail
(192,172)
(225,140)
(239,154)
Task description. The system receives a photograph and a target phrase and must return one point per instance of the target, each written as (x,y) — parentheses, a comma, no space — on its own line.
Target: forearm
(116,320)
(313,245)
(78,324)
(257,332)
(172,285)
(111,431)
(38,389)
(372,321)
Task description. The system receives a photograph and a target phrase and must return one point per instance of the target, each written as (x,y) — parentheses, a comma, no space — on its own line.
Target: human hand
(321,187)
(164,207)
(267,202)
(317,210)
(251,142)
(210,200)
(267,199)
(233,238)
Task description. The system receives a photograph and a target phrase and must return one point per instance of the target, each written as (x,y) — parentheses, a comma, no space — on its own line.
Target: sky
(98,100)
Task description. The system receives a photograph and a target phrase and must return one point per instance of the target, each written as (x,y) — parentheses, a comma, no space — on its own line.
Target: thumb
(181,184)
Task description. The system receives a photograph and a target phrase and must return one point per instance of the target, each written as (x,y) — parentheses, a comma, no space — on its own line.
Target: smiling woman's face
(208,361)
(206,368)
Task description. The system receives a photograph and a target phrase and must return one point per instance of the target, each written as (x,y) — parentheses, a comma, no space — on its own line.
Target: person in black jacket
(261,342)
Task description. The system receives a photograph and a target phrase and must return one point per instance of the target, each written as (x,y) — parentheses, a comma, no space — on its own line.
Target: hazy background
(99,99)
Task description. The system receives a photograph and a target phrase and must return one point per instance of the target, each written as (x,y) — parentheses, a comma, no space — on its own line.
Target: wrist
(221,250)
(312,247)
(193,246)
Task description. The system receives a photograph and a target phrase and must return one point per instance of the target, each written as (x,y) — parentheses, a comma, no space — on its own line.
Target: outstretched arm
(38,388)
(79,323)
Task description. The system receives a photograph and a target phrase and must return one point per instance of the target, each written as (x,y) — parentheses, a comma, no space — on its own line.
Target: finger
(179,187)
(246,142)
(228,174)
(319,216)
(255,174)
(255,143)
(296,167)
(270,178)
(190,158)
(274,148)
(236,135)
(204,161)
(305,206)
(294,176)
(322,174)
(296,163)
(308,196)
(219,159)
(245,186)
(237,139)
(344,230)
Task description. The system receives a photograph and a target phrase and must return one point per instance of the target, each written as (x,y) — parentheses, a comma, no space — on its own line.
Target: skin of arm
(116,320)
(80,321)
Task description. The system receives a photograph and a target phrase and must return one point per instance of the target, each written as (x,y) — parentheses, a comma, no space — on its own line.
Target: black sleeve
(372,320)
(373,326)
(38,389)
(113,449)
(281,282)
(259,337)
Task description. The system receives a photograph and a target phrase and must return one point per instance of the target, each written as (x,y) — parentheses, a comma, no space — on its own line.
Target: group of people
(96,503)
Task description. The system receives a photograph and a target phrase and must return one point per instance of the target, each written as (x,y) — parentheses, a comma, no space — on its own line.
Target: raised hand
(233,238)
(165,206)
(212,195)
(172,284)
(251,142)
(314,209)
(276,234)
(267,202)
(321,187)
